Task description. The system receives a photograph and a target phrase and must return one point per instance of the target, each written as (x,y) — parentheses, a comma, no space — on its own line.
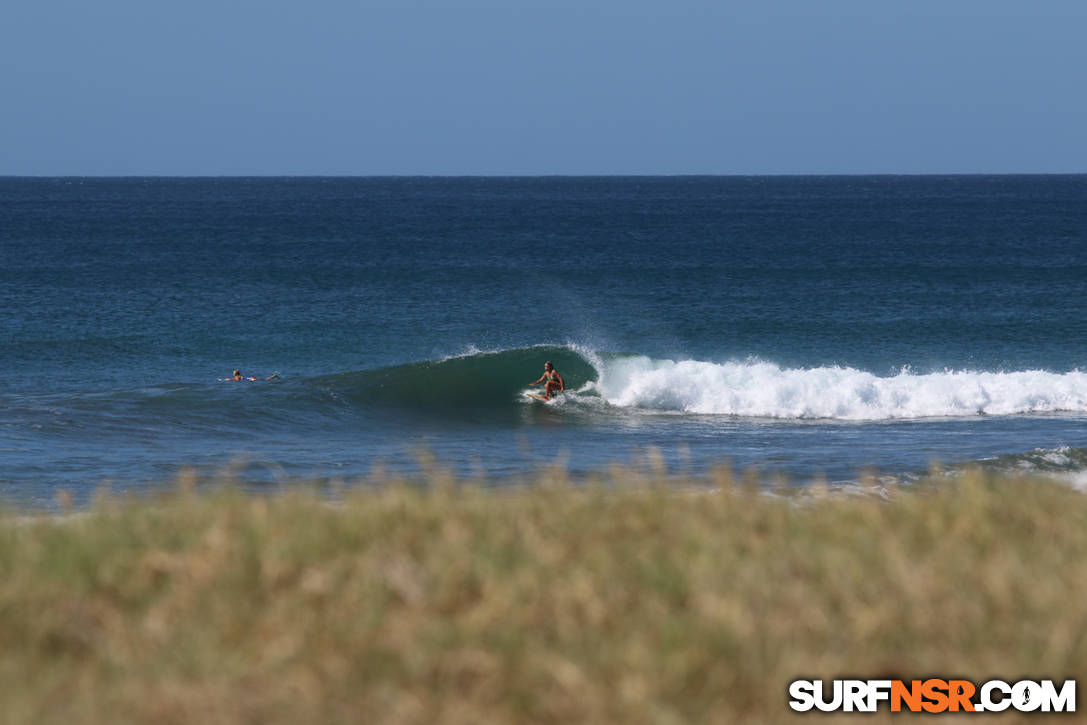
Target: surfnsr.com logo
(932,696)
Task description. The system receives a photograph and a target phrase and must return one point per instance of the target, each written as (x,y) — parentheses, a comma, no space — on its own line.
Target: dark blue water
(802,325)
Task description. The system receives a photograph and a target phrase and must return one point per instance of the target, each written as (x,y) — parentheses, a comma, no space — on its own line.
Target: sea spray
(767,390)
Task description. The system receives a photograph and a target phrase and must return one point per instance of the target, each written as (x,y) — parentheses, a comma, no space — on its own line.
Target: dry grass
(613,603)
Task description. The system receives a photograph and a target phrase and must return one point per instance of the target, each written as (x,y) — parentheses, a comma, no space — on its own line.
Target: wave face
(765,390)
(739,389)
(482,379)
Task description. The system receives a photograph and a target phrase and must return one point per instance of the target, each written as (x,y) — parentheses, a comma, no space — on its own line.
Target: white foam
(1076,480)
(1056,457)
(765,390)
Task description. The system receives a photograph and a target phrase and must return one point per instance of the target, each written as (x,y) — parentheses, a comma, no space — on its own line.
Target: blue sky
(119,87)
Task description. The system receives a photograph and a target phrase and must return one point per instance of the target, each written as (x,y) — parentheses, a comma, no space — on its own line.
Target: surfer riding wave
(553,382)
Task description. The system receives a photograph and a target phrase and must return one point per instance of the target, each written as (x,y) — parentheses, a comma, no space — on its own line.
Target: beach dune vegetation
(627,599)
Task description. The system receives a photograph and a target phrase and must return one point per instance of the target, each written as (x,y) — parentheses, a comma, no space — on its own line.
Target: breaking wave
(600,383)
(766,390)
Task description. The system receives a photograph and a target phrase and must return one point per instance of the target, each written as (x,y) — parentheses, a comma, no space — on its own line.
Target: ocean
(800,327)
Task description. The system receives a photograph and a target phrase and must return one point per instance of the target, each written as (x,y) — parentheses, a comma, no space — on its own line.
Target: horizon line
(546,176)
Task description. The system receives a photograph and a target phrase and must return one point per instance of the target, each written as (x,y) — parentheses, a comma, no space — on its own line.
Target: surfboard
(540,398)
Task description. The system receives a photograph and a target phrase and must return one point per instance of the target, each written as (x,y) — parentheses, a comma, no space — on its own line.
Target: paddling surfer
(553,382)
(238,377)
